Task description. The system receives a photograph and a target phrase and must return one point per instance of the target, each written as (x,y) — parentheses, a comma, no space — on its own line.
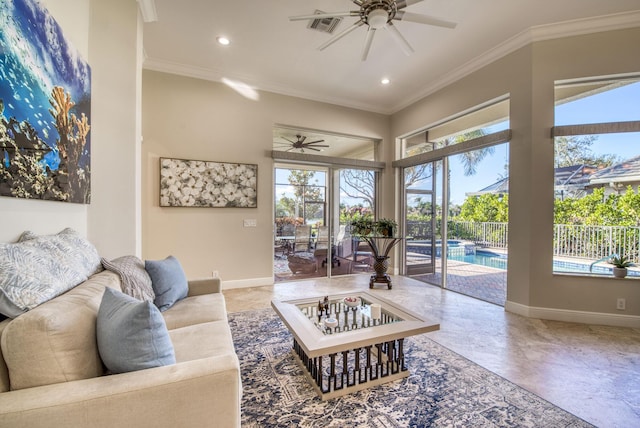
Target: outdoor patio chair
(302,240)
(362,255)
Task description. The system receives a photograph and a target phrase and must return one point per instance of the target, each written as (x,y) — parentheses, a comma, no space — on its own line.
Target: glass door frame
(429,267)
(332,195)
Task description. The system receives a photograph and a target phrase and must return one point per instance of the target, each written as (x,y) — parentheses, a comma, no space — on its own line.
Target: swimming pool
(499,261)
(484,258)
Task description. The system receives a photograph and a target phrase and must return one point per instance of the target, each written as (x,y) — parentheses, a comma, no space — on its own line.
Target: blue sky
(621,104)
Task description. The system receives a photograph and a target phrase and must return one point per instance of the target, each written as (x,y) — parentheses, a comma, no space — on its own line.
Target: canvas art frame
(45,108)
(208,184)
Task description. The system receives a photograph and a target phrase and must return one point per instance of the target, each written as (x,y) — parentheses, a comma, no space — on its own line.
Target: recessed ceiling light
(385,81)
(223,40)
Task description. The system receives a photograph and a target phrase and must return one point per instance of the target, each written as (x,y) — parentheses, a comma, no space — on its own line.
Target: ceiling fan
(300,144)
(377,14)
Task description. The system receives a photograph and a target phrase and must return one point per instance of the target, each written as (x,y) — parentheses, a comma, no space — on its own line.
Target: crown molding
(539,33)
(148,10)
(578,27)
(534,34)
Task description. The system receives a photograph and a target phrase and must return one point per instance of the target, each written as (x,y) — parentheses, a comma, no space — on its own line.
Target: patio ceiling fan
(301,145)
(377,14)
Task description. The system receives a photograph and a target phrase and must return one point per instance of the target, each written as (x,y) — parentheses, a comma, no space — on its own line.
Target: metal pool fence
(581,241)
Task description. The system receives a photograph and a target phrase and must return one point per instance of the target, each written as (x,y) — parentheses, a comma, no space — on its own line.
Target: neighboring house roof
(498,187)
(579,177)
(624,172)
(574,177)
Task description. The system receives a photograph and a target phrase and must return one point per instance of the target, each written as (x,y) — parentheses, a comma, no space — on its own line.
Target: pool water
(499,261)
(484,258)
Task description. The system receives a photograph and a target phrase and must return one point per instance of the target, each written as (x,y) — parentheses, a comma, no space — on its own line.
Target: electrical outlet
(621,304)
(215,274)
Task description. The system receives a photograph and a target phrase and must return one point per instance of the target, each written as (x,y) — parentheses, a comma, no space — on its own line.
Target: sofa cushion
(56,342)
(136,282)
(202,341)
(131,334)
(168,280)
(196,310)
(39,268)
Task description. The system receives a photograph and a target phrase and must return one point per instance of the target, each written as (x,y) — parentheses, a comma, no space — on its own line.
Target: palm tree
(471,159)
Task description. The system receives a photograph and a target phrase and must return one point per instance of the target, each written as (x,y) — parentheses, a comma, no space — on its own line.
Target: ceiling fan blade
(324,15)
(423,19)
(401,4)
(367,43)
(399,38)
(313,142)
(301,138)
(314,149)
(340,35)
(285,138)
(315,145)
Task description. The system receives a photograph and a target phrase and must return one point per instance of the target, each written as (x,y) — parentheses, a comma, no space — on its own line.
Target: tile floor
(590,371)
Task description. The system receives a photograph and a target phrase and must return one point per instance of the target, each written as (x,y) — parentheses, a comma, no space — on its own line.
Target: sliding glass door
(301,222)
(420,219)
(354,197)
(314,207)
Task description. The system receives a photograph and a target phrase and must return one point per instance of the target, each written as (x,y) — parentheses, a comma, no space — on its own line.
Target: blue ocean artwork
(45,107)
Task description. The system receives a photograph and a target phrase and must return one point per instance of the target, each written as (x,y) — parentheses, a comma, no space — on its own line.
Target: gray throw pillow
(131,334)
(136,282)
(41,267)
(168,281)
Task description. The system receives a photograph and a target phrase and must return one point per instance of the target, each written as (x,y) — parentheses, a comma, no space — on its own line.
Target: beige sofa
(51,374)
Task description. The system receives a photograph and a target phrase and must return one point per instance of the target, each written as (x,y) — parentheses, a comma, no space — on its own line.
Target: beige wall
(189,118)
(116,65)
(528,75)
(109,220)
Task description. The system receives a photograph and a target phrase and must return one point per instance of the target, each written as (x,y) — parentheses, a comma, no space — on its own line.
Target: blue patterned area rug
(444,389)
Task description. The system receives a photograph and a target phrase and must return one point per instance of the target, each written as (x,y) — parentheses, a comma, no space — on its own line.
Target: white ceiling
(268,52)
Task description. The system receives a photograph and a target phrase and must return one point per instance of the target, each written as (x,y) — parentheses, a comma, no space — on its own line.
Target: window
(596,175)
(300,195)
(479,122)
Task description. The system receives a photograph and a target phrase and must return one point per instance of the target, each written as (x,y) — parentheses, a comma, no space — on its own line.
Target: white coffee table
(359,352)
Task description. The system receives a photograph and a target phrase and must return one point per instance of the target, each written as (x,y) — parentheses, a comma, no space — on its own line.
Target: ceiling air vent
(326,25)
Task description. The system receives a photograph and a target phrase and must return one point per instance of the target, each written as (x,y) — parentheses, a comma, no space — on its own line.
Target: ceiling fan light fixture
(377,18)
(385,81)
(374,15)
(224,41)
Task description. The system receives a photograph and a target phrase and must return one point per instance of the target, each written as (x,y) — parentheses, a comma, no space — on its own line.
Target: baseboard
(594,318)
(246,283)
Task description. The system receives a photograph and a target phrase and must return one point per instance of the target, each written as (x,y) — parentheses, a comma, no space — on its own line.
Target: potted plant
(620,264)
(362,226)
(385,227)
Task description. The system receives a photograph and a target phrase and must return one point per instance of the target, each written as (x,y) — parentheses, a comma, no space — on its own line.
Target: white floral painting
(194,183)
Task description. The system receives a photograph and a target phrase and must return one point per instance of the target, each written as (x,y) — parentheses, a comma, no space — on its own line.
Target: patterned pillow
(136,282)
(39,268)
